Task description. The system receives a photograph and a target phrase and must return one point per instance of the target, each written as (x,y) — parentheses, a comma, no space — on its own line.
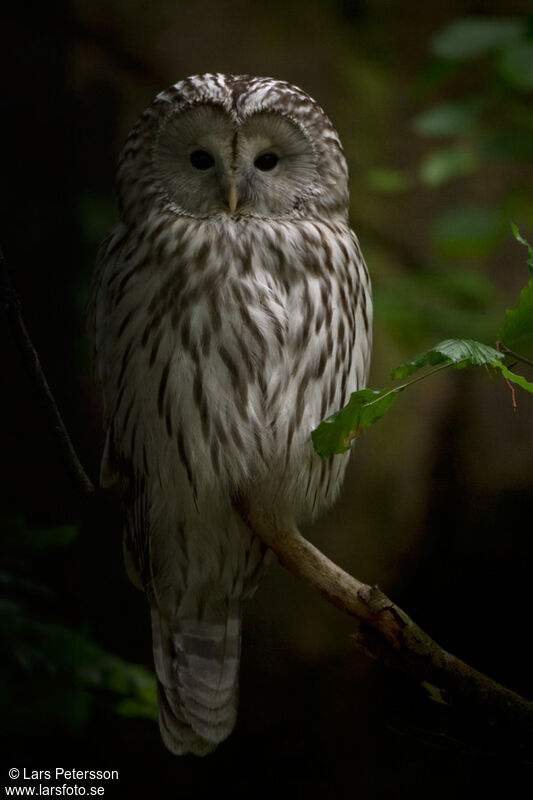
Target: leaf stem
(397,389)
(508,352)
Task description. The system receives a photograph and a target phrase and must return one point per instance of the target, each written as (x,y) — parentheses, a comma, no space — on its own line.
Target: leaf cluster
(475,121)
(52,671)
(491,60)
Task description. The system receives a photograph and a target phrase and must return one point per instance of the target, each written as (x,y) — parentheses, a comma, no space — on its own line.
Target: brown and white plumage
(230,312)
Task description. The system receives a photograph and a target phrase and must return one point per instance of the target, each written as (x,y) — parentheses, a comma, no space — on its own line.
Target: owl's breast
(226,358)
(253,369)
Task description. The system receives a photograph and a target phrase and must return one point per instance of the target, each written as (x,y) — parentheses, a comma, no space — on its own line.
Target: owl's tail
(197,666)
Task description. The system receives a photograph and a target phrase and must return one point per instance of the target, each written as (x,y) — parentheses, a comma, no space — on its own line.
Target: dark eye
(266,162)
(201,159)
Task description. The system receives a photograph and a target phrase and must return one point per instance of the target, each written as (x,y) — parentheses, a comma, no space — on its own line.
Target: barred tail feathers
(197,666)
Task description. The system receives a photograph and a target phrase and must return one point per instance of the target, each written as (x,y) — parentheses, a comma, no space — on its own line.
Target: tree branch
(12,307)
(385,632)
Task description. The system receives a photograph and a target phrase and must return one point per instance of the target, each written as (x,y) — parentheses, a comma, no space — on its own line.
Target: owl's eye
(266,162)
(201,159)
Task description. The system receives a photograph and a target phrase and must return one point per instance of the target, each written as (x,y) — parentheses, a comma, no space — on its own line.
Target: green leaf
(443,165)
(458,353)
(517,330)
(134,682)
(48,650)
(471,37)
(523,241)
(512,376)
(447,119)
(334,435)
(56,669)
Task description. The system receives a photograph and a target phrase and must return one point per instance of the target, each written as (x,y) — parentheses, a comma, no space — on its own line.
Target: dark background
(436,507)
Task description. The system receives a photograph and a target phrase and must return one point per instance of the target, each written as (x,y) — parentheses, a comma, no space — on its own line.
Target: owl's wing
(105,352)
(100,305)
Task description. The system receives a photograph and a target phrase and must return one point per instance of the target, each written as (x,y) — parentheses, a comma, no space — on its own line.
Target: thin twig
(11,303)
(508,352)
(513,394)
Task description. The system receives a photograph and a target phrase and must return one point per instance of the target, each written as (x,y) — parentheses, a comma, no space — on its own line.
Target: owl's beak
(233,198)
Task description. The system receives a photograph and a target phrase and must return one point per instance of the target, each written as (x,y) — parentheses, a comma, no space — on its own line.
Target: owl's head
(240,146)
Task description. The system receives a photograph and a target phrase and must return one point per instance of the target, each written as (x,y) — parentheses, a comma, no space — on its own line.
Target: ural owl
(230,312)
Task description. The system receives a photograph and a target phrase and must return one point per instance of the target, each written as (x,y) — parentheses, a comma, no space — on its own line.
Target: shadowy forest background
(436,118)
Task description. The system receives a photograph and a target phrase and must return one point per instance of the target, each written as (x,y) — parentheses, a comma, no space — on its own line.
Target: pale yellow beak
(232,198)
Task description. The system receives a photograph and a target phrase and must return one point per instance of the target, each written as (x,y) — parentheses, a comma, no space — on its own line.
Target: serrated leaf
(520,238)
(458,353)
(335,434)
(517,331)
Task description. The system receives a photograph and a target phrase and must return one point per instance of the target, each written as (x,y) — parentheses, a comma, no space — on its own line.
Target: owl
(230,312)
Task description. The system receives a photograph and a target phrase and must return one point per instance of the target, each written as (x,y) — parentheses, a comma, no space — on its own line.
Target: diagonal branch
(386,632)
(11,303)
